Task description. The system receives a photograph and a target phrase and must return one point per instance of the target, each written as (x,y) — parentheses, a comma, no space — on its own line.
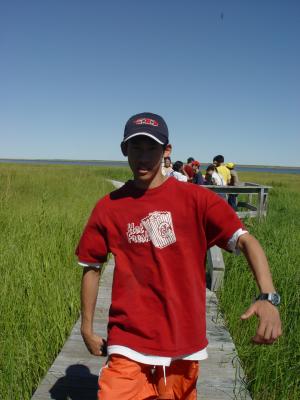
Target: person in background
(188,169)
(197,178)
(208,175)
(167,166)
(218,161)
(212,176)
(234,181)
(166,154)
(178,172)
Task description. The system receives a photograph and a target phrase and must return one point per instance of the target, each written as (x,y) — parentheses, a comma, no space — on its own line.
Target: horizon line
(126,162)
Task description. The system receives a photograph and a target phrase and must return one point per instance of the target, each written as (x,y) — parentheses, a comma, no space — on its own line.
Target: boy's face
(144,158)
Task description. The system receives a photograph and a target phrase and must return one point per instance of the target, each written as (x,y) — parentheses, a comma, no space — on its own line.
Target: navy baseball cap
(147,124)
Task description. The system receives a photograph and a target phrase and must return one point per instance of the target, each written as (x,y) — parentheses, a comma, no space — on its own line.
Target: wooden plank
(235,189)
(257,184)
(247,214)
(216,267)
(261,199)
(244,204)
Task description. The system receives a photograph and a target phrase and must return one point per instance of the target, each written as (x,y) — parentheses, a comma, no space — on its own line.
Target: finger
(259,335)
(276,333)
(257,339)
(260,340)
(279,329)
(248,313)
(94,350)
(103,348)
(93,344)
(261,329)
(264,334)
(268,334)
(97,352)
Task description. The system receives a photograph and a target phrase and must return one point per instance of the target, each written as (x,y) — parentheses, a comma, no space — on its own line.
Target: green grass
(273,372)
(42,211)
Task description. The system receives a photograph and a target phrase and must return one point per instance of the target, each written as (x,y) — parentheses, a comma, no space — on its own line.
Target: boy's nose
(144,156)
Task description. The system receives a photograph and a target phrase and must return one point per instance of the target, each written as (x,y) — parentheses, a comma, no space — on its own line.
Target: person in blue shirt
(197,178)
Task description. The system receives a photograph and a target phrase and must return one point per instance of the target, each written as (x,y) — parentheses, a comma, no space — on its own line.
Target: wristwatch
(273,298)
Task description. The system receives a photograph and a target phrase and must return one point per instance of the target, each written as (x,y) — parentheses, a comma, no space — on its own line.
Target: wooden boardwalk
(74,373)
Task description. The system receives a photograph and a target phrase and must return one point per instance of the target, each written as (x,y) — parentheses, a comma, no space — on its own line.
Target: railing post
(261,199)
(216,267)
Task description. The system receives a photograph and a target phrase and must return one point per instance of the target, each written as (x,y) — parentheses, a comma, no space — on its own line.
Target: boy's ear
(124,149)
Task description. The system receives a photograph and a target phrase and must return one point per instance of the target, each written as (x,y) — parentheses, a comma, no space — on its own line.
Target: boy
(156,329)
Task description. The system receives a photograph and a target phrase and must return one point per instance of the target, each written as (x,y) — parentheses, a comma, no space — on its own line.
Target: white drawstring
(153,370)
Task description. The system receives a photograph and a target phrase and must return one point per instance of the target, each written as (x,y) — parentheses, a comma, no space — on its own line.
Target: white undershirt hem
(154,360)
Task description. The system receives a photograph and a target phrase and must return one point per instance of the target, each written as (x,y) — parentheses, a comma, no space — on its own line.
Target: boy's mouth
(143,169)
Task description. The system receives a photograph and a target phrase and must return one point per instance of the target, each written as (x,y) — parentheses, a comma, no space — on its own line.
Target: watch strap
(273,298)
(263,296)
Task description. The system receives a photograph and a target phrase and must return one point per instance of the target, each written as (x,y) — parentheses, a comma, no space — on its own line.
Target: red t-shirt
(159,238)
(189,170)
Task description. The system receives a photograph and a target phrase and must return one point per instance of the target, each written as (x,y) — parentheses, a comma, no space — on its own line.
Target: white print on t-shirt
(137,234)
(157,227)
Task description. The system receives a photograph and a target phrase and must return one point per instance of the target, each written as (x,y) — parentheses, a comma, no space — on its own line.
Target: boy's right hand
(95,344)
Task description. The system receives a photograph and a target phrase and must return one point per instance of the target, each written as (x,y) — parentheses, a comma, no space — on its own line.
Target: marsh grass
(42,212)
(273,372)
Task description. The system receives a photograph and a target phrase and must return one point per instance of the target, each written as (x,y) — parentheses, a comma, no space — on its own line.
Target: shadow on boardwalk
(77,384)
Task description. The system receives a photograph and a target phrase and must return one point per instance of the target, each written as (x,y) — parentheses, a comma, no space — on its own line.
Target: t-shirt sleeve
(221,221)
(92,248)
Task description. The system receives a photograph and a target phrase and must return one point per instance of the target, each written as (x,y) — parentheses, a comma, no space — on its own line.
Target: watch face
(275,299)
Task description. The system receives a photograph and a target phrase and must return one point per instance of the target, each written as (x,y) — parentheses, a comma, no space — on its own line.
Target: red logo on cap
(146,121)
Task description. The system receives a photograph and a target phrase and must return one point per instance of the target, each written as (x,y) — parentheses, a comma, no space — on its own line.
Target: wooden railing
(254,203)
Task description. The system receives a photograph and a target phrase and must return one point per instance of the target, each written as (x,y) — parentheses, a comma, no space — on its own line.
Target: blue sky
(223,74)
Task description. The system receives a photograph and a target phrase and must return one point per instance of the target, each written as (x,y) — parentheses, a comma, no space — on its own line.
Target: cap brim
(143,134)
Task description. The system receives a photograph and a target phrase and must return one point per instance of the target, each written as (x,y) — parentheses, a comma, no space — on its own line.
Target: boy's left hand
(269,328)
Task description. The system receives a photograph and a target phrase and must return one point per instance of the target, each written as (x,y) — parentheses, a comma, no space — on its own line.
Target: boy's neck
(158,180)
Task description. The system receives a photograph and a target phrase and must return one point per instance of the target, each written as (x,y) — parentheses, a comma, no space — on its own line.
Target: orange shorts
(124,379)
